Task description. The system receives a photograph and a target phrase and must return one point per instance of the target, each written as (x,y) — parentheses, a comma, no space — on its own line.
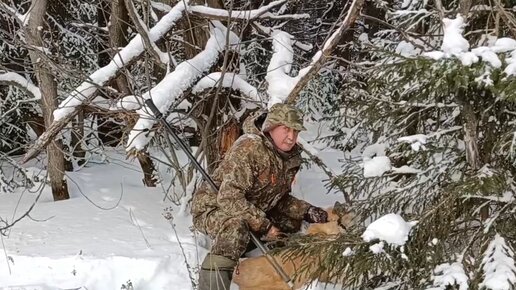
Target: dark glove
(316,215)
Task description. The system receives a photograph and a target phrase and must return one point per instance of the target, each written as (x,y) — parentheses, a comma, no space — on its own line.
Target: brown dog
(256,273)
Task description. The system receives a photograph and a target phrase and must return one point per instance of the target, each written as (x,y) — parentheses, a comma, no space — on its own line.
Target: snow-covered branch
(280,83)
(449,275)
(15,79)
(85,91)
(498,265)
(231,80)
(176,82)
(135,47)
(21,82)
(22,18)
(144,33)
(260,13)
(269,31)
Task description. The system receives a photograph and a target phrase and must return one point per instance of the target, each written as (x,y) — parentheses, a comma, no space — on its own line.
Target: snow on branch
(455,45)
(262,13)
(144,33)
(21,82)
(280,83)
(449,275)
(269,31)
(85,91)
(230,80)
(498,266)
(390,228)
(418,141)
(176,82)
(100,77)
(22,18)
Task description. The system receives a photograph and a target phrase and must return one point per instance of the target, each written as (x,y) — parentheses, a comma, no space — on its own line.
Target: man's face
(284,137)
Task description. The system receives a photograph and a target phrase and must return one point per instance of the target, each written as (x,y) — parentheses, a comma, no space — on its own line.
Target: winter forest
(415,98)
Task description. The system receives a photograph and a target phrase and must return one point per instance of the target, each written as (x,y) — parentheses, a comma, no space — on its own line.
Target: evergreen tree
(426,122)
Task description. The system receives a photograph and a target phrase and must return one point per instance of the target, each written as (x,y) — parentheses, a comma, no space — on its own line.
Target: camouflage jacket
(253,179)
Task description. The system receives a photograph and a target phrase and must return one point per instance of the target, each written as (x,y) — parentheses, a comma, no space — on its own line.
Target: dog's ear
(339,207)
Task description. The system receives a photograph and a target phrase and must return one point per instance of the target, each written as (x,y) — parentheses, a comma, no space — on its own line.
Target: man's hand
(273,234)
(316,215)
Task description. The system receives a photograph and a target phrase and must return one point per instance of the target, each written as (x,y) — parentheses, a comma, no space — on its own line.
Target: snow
(112,230)
(487,55)
(109,232)
(416,142)
(375,161)
(377,248)
(176,82)
(376,166)
(100,77)
(498,266)
(504,44)
(22,82)
(511,64)
(406,49)
(455,45)
(391,228)
(128,103)
(348,252)
(453,41)
(231,80)
(278,78)
(448,275)
(261,12)
(280,83)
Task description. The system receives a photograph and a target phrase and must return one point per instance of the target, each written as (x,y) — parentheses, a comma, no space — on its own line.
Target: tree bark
(117,37)
(78,137)
(103,21)
(48,87)
(196,34)
(470,136)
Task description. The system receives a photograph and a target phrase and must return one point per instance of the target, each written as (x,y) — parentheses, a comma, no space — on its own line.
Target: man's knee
(232,238)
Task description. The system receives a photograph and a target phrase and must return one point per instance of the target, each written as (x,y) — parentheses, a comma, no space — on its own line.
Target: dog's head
(341,214)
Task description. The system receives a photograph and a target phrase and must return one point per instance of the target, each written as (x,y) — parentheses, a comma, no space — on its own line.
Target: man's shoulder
(249,144)
(249,140)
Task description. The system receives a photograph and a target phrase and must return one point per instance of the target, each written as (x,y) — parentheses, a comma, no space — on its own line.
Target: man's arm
(292,207)
(237,179)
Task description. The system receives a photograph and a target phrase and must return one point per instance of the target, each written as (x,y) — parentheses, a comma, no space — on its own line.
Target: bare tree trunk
(48,87)
(117,37)
(78,137)
(103,13)
(149,178)
(471,140)
(470,135)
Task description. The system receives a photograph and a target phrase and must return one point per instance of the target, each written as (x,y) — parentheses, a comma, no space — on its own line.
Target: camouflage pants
(230,234)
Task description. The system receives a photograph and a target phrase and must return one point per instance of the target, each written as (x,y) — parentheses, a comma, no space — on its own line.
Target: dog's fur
(257,273)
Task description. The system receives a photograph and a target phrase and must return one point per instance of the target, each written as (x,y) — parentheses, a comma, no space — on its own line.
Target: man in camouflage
(254,182)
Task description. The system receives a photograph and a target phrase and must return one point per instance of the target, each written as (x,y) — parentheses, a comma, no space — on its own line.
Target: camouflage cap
(283,114)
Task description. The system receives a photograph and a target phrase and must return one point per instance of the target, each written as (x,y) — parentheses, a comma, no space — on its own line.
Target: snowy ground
(112,231)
